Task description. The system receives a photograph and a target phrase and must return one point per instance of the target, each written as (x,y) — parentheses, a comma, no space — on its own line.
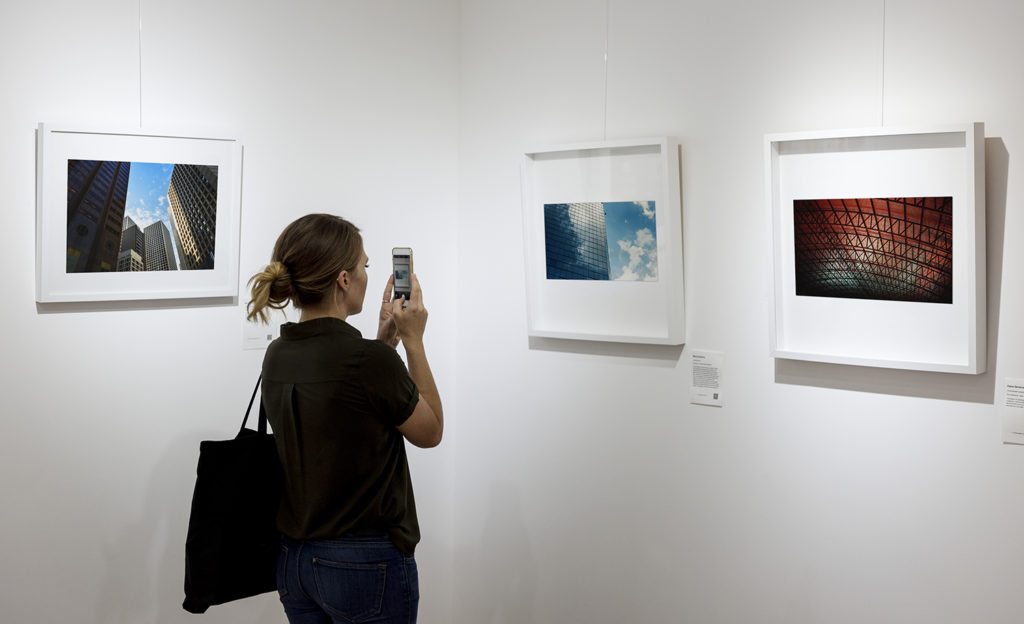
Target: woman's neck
(322,311)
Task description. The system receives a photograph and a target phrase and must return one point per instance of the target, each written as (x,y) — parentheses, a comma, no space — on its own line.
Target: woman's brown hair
(308,256)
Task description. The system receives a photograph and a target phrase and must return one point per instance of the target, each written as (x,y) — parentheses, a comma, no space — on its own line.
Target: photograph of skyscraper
(136,216)
(601,241)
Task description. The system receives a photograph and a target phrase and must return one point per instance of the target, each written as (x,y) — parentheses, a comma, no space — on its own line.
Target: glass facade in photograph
(192,196)
(97,191)
(576,241)
(159,249)
(133,247)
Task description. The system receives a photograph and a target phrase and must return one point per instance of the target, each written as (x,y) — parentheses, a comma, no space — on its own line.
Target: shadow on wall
(133,305)
(946,386)
(662,356)
(506,570)
(145,566)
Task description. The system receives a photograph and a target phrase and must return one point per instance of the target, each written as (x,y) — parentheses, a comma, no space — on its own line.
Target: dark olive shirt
(334,401)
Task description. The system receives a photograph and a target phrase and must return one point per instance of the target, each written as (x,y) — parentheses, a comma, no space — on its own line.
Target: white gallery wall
(343,107)
(576,482)
(588,489)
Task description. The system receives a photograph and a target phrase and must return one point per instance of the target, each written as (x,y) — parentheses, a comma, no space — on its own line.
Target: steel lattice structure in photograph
(898,249)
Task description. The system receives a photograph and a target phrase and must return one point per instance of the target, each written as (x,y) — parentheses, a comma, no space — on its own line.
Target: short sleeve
(390,390)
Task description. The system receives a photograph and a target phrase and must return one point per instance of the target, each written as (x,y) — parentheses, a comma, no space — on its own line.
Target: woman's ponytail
(271,288)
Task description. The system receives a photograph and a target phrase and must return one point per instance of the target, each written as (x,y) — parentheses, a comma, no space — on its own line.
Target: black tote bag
(232,545)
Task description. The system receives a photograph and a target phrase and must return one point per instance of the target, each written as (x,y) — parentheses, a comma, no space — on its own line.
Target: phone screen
(402,261)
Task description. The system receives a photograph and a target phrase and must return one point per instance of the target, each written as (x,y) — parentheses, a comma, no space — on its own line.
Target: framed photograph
(602,226)
(878,242)
(131,216)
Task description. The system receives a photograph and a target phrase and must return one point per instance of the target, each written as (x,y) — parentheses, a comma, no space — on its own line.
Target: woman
(341,407)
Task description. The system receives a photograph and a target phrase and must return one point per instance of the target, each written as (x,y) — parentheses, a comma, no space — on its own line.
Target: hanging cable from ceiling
(140,63)
(607,28)
(882,89)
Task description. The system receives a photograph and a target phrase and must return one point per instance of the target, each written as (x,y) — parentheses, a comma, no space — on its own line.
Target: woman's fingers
(415,293)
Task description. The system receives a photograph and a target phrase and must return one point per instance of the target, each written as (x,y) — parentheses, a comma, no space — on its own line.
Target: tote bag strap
(261,425)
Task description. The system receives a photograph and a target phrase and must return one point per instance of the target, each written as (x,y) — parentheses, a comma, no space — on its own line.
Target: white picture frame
(62,271)
(931,163)
(643,309)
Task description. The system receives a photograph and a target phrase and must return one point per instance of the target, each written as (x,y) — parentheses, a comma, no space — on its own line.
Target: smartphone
(401,261)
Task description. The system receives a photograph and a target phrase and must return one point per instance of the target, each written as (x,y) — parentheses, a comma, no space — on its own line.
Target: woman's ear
(343,280)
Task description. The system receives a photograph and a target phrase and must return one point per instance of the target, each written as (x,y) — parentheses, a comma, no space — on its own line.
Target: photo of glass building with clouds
(601,241)
(136,216)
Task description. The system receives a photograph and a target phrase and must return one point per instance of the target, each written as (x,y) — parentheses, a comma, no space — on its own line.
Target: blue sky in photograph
(632,241)
(147,193)
(146,202)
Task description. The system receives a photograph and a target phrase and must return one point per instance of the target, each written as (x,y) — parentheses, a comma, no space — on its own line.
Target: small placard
(258,335)
(1013,411)
(706,388)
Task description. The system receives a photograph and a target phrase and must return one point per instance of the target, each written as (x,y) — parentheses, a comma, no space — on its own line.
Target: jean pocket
(282,574)
(351,591)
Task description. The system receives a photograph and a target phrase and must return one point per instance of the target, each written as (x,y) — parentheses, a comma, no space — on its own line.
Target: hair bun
(281,287)
(278,271)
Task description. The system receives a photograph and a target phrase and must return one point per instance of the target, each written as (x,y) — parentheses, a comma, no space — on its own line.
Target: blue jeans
(348,580)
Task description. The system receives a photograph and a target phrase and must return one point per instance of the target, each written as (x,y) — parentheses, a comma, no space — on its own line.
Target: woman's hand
(411,318)
(425,426)
(387,330)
